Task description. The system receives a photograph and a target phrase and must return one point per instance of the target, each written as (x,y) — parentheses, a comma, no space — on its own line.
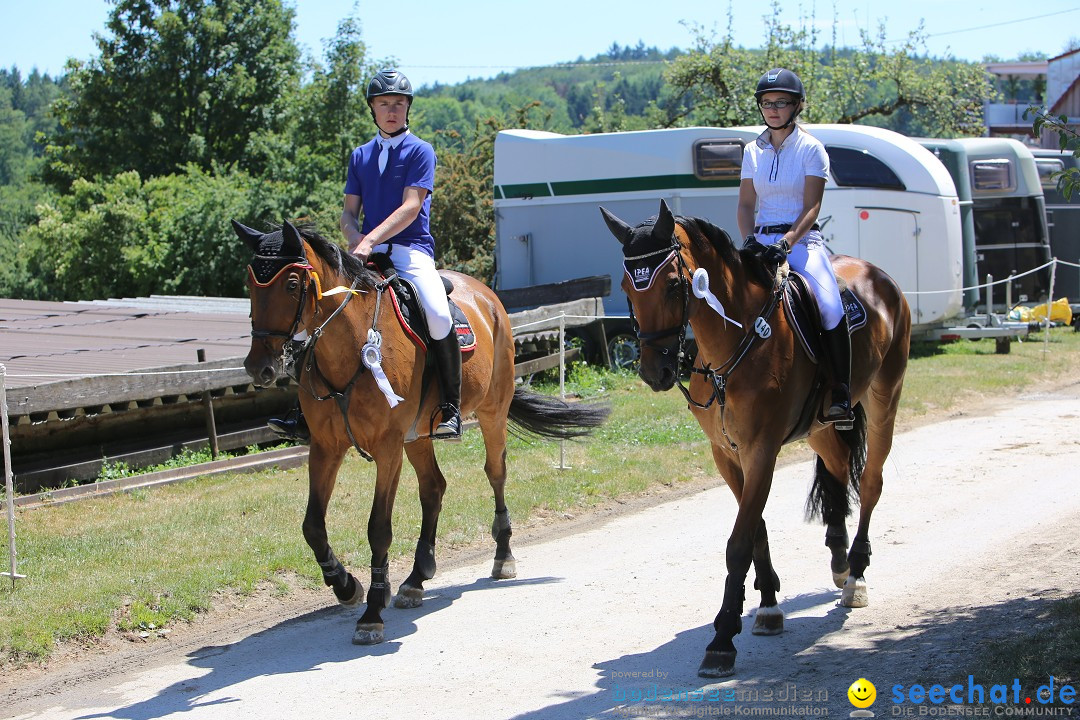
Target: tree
(715,81)
(1068,140)
(177,82)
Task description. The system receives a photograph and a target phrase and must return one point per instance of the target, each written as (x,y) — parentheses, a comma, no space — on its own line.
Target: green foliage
(129,237)
(176,82)
(1069,179)
(895,86)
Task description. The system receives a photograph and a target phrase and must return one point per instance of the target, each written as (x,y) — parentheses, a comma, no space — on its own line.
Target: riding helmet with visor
(785,81)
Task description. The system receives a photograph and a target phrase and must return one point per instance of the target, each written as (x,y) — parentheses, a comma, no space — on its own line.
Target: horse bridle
(306,348)
(718,376)
(300,263)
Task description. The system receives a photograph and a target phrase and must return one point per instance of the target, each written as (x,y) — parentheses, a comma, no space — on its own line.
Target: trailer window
(718,159)
(995,174)
(858,168)
(1047,167)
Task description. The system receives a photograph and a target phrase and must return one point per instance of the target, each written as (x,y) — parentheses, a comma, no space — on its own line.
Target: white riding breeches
(811,260)
(418,267)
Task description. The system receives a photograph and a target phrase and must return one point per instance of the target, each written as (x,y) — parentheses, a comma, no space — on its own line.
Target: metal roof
(42,342)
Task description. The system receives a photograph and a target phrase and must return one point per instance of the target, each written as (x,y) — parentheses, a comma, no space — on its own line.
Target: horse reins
(718,379)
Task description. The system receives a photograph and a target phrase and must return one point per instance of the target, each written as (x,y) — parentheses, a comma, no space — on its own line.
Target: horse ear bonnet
(644,255)
(268,260)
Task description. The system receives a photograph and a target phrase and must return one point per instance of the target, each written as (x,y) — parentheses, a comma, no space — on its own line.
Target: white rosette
(700,285)
(371,354)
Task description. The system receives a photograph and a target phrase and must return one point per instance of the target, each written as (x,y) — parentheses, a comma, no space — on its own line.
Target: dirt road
(976,529)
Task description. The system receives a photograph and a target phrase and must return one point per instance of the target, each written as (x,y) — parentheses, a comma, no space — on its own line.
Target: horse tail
(829,498)
(550,417)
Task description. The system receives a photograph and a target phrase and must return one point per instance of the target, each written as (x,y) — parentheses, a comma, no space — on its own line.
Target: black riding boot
(448,359)
(292,427)
(838,342)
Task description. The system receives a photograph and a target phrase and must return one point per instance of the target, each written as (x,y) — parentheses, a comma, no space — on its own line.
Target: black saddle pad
(411,314)
(802,309)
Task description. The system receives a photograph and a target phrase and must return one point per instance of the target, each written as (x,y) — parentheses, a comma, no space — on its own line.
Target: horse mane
(347,264)
(705,236)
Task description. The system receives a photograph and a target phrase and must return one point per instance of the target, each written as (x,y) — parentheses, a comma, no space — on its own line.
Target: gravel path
(975,531)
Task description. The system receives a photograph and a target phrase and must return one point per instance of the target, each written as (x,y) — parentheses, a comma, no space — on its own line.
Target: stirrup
(292,427)
(450,426)
(839,412)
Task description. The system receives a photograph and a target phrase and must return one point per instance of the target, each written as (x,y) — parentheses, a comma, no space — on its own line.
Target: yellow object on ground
(1060,312)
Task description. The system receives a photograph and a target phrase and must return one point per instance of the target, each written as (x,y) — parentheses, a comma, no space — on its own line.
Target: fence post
(208,403)
(8,483)
(562,382)
(1049,306)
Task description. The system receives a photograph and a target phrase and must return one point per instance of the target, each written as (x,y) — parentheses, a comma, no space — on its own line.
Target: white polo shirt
(779,175)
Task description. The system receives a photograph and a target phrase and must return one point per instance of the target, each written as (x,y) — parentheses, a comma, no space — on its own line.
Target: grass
(153,558)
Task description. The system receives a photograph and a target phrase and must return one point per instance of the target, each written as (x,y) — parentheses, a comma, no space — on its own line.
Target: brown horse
(348,328)
(753,389)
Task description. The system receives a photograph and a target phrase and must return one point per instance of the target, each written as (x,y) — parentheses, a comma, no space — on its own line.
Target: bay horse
(354,345)
(753,389)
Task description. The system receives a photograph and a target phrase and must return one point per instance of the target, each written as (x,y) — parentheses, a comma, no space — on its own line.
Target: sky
(449,41)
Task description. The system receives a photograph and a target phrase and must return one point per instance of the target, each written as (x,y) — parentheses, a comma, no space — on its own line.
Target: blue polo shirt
(410,164)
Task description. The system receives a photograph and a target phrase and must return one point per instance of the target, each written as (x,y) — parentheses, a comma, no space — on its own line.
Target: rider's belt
(779,229)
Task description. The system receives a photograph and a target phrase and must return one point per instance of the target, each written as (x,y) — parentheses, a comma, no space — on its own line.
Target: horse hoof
(409,597)
(839,578)
(854,595)
(717,664)
(504,569)
(768,621)
(368,634)
(356,598)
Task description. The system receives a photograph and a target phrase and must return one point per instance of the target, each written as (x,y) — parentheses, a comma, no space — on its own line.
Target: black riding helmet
(781,80)
(390,82)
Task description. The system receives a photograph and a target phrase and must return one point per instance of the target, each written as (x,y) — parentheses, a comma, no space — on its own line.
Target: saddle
(804,316)
(410,313)
(802,310)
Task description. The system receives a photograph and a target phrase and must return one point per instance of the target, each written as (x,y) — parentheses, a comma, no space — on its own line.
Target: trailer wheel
(624,350)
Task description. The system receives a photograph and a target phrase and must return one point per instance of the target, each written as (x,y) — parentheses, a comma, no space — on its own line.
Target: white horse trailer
(888,200)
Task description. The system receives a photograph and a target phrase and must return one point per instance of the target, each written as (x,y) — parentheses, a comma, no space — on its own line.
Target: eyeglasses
(779,104)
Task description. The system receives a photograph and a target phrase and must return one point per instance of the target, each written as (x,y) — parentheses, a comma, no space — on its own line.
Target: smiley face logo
(862,693)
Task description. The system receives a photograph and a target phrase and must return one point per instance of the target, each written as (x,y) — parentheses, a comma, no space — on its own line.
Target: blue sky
(448,41)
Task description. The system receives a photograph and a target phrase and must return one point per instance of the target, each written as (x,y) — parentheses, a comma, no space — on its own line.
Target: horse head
(670,265)
(658,287)
(280,284)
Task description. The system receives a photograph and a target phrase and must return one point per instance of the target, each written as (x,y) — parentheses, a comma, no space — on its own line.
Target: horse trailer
(888,200)
(1009,216)
(1062,220)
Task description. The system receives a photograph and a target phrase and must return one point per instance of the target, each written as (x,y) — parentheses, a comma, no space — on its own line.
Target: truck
(889,201)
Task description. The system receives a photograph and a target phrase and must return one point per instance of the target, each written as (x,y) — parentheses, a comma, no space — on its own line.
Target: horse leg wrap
(859,557)
(424,559)
(346,589)
(333,572)
(774,583)
(728,624)
(500,527)
(380,586)
(836,536)
(863,547)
